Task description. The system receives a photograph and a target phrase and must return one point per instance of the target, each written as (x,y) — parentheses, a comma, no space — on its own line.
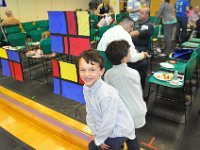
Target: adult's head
(8,13)
(144,14)
(127,23)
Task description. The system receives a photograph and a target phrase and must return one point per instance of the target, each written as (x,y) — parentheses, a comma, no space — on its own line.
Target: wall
(31,10)
(195,3)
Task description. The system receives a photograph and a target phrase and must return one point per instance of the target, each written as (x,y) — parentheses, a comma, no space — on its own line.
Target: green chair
(93,21)
(45,46)
(103,29)
(188,73)
(29,26)
(36,35)
(43,24)
(17,39)
(107,63)
(120,16)
(12,29)
(190,44)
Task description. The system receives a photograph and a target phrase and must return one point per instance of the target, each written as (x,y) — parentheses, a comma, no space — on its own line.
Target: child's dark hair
(92,56)
(116,51)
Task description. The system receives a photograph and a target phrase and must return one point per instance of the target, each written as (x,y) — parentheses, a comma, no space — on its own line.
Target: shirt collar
(141,22)
(120,65)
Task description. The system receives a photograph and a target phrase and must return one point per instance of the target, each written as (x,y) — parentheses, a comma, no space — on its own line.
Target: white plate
(178,84)
(36,43)
(160,76)
(15,48)
(166,65)
(6,47)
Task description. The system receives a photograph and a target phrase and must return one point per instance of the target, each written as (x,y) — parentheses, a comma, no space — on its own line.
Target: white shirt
(134,4)
(107,116)
(118,33)
(127,82)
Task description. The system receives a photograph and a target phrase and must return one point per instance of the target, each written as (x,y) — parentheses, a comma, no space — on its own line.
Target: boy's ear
(102,71)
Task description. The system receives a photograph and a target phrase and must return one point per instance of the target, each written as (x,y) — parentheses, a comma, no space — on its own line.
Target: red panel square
(66,45)
(18,71)
(78,45)
(71,22)
(56,70)
(12,69)
(81,81)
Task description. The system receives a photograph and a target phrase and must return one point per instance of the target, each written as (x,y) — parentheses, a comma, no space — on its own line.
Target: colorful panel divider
(70,32)
(11,64)
(70,35)
(66,81)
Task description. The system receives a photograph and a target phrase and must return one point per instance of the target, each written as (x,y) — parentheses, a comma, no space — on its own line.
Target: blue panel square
(5,67)
(57,22)
(57,44)
(13,55)
(56,86)
(72,91)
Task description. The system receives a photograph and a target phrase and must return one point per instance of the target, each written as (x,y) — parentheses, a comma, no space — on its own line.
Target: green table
(153,79)
(179,66)
(195,40)
(190,44)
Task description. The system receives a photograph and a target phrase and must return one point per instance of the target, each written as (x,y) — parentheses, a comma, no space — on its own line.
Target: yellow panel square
(83,23)
(3,53)
(68,71)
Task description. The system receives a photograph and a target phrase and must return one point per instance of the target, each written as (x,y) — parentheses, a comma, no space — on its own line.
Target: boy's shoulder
(107,89)
(122,71)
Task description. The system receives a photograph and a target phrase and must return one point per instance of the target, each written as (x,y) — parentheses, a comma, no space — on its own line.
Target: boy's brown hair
(91,56)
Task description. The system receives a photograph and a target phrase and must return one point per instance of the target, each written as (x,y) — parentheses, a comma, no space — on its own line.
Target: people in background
(37,52)
(104,9)
(92,6)
(169,22)
(107,116)
(140,37)
(133,8)
(193,18)
(181,9)
(143,30)
(121,32)
(10,20)
(126,80)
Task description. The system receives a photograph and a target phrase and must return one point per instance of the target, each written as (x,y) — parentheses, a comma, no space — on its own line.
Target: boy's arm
(89,121)
(109,107)
(97,12)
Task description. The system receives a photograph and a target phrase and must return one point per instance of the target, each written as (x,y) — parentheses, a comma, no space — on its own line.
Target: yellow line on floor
(47,111)
(30,132)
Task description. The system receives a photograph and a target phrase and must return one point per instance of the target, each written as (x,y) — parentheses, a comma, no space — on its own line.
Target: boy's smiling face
(89,72)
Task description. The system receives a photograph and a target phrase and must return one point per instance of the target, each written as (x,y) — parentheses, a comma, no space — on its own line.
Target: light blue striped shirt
(107,116)
(127,81)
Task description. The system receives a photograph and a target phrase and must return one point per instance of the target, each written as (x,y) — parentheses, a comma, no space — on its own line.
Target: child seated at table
(38,52)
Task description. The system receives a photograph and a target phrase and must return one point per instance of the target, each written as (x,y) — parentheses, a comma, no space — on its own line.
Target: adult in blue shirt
(181,8)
